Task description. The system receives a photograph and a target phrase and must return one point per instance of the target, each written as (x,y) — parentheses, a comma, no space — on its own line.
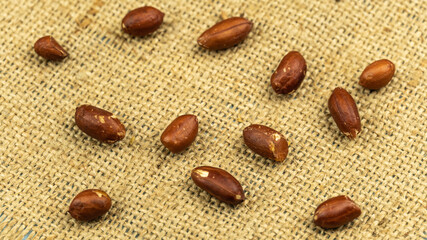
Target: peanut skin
(48,48)
(336,212)
(180,133)
(225,34)
(377,74)
(344,112)
(289,74)
(142,21)
(99,124)
(219,183)
(266,142)
(90,205)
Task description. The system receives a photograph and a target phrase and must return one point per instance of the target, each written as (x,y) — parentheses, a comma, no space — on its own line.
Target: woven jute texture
(45,160)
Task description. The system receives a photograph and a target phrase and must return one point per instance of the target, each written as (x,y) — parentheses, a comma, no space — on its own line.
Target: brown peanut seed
(377,74)
(142,21)
(289,74)
(219,183)
(99,124)
(266,142)
(225,34)
(344,112)
(180,133)
(336,212)
(48,48)
(90,205)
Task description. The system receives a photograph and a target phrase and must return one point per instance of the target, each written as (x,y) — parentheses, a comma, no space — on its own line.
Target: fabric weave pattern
(45,160)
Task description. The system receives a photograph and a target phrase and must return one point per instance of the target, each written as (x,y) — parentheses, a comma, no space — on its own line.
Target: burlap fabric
(46,160)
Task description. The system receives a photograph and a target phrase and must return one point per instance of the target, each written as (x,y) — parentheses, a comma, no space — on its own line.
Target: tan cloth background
(45,159)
